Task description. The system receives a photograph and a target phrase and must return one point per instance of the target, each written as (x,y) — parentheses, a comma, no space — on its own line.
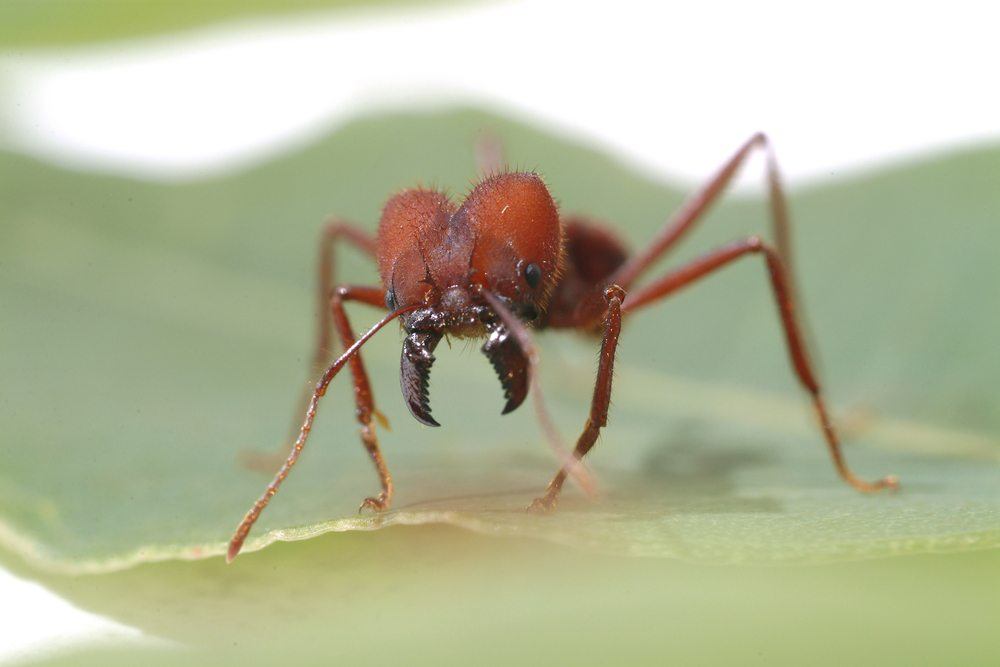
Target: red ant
(505,261)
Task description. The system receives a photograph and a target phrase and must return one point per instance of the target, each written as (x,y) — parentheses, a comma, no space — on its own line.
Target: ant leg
(614,295)
(517,328)
(334,230)
(781,287)
(363,399)
(694,208)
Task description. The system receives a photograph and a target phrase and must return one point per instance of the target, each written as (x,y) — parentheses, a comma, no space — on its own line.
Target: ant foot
(890,482)
(543,504)
(377,504)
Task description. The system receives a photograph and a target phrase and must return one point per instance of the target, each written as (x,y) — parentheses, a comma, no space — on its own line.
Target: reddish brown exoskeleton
(503,261)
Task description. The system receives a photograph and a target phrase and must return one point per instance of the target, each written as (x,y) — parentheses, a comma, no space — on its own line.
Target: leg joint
(333,227)
(614,292)
(340,293)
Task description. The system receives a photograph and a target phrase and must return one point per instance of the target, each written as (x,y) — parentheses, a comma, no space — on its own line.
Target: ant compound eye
(390,299)
(533,274)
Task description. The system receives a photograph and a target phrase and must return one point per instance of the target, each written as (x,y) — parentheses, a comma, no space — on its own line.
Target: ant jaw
(414,373)
(417,358)
(510,364)
(425,328)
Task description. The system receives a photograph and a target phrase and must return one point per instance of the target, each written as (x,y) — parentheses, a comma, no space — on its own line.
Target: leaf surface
(152,332)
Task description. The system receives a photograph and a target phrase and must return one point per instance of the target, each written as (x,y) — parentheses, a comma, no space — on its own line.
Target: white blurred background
(671,87)
(674,87)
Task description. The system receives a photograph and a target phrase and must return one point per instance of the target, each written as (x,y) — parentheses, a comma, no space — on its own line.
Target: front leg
(363,399)
(614,295)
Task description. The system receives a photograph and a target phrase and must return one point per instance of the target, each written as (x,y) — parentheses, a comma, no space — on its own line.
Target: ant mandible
(504,261)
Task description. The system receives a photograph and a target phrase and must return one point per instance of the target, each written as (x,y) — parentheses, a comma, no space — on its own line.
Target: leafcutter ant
(503,262)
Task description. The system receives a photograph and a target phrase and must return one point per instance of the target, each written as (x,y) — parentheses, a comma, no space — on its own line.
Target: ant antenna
(236,543)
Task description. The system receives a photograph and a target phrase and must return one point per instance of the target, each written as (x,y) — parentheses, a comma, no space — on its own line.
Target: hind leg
(795,342)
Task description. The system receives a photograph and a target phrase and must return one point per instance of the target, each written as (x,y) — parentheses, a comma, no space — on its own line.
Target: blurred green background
(151,332)
(68,22)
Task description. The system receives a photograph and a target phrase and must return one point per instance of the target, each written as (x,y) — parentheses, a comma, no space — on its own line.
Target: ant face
(518,244)
(505,238)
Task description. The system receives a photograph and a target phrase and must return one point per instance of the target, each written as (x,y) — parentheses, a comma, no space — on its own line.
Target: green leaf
(431,595)
(60,22)
(152,332)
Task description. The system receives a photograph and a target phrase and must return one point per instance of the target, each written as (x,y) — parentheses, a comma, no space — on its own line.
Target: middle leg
(695,207)
(335,231)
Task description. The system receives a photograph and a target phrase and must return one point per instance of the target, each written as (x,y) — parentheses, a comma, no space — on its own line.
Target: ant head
(518,248)
(505,238)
